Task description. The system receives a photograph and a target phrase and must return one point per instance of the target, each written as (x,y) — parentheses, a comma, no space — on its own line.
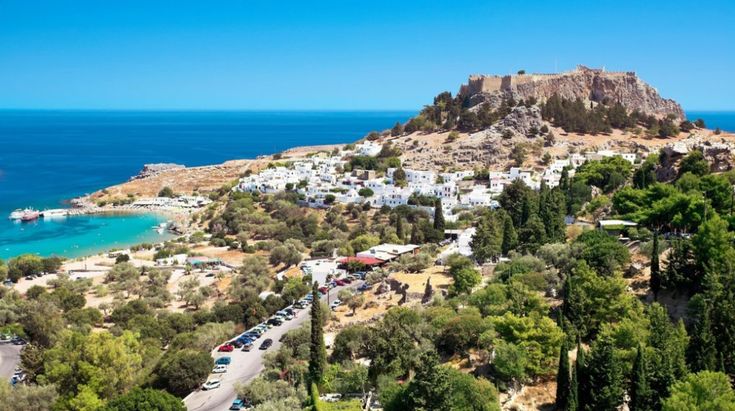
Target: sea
(49,157)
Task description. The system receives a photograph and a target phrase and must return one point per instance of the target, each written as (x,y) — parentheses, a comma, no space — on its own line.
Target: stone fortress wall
(481,83)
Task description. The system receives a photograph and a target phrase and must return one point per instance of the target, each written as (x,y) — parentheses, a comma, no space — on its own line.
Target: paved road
(9,359)
(246,365)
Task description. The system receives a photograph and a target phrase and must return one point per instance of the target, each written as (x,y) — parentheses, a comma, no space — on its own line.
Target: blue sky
(345,54)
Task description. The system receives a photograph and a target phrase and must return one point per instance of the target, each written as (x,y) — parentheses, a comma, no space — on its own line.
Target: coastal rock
(156,168)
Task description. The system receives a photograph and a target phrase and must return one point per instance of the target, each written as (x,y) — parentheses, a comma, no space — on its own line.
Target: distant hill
(586,84)
(584,100)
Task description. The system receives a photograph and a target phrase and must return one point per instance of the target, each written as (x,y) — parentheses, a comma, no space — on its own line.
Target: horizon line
(221,109)
(376,110)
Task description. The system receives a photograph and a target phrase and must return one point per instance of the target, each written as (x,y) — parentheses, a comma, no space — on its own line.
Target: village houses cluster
(321,179)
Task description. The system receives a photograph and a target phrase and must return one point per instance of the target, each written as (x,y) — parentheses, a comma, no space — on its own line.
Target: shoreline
(116,239)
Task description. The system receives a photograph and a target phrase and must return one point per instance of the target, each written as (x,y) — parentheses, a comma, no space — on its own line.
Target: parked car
(275,321)
(247,347)
(212,384)
(266,344)
(335,304)
(330,397)
(219,369)
(323,289)
(363,287)
(340,282)
(284,315)
(18,341)
(226,348)
(223,361)
(256,331)
(18,377)
(237,405)
(236,343)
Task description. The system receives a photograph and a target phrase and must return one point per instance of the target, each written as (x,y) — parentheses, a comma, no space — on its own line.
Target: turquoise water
(47,157)
(80,235)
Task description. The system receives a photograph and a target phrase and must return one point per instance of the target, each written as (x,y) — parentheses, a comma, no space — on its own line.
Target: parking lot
(245,366)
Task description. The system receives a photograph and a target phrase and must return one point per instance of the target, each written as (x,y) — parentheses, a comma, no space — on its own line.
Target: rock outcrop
(156,168)
(522,119)
(590,85)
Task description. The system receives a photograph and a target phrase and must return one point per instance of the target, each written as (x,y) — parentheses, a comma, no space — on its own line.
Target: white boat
(26,214)
(55,213)
(160,228)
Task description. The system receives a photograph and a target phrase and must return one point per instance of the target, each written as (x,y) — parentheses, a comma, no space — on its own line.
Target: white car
(211,384)
(284,315)
(219,369)
(331,397)
(335,304)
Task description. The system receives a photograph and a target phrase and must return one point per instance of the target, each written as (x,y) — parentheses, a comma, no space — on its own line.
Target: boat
(160,228)
(16,214)
(30,215)
(20,214)
(55,213)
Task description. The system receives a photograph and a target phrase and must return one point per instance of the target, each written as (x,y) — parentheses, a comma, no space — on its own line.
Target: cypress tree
(399,228)
(573,395)
(655,282)
(582,381)
(510,237)
(702,350)
(605,378)
(563,382)
(438,216)
(317,352)
(555,219)
(564,180)
(417,236)
(640,390)
(668,362)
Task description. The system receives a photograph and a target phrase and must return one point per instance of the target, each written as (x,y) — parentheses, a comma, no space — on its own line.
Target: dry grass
(540,396)
(417,282)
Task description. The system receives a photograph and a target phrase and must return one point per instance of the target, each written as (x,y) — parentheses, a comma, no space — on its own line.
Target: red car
(225,348)
(340,282)
(323,290)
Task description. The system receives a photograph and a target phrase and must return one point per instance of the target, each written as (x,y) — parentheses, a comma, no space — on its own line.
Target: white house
(368,148)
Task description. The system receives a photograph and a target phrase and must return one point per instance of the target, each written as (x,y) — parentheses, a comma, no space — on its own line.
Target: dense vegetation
(575,116)
(455,113)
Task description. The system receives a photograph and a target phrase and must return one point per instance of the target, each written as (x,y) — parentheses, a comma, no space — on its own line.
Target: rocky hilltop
(587,84)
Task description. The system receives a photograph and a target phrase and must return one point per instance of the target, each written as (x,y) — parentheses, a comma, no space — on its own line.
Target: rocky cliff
(590,85)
